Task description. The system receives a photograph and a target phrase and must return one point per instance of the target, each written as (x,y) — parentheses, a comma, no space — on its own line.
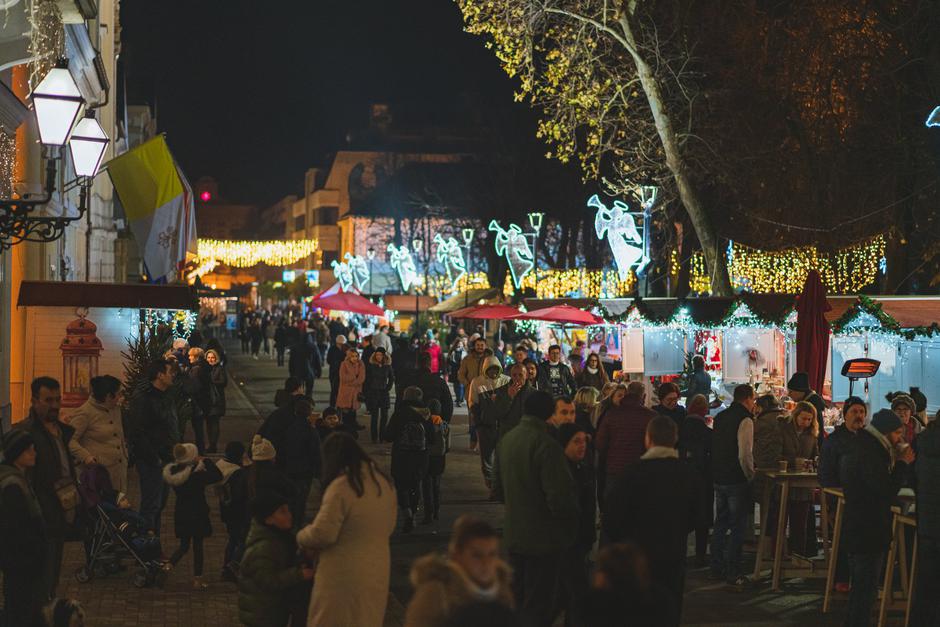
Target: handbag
(67,493)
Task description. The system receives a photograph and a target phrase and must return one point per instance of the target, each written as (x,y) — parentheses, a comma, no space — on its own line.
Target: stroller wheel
(141,578)
(83,575)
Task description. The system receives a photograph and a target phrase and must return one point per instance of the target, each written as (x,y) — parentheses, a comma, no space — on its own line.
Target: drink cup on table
(782,465)
(799,464)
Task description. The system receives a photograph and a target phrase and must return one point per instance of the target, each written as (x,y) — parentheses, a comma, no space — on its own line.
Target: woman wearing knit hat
(263,475)
(904,406)
(189,474)
(21,531)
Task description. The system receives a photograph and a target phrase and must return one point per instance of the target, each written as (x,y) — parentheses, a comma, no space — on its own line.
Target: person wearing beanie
(263,474)
(232,492)
(653,505)
(188,474)
(872,473)
(798,389)
(834,448)
(906,409)
(21,531)
(271,583)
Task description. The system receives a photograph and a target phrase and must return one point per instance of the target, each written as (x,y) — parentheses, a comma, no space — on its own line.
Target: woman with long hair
(352,376)
(585,401)
(350,537)
(800,435)
(593,373)
(613,399)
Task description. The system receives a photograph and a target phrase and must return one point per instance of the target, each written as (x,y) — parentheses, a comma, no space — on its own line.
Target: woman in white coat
(99,434)
(350,537)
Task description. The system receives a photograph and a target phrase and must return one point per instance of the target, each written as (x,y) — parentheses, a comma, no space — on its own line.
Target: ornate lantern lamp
(81,349)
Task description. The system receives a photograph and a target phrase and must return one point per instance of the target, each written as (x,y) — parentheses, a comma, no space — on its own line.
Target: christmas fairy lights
(181,322)
(577,282)
(845,271)
(247,253)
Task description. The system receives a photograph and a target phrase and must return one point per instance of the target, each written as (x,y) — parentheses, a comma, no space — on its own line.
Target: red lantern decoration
(81,349)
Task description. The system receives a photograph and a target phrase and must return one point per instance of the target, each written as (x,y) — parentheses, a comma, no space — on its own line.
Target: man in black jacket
(152,430)
(433,386)
(299,456)
(304,362)
(733,466)
(653,505)
(334,358)
(554,376)
(926,609)
(53,473)
(871,479)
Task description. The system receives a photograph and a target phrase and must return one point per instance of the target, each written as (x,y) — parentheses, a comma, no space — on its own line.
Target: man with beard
(53,476)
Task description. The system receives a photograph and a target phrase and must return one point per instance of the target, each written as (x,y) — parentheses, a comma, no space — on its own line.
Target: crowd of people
(602,486)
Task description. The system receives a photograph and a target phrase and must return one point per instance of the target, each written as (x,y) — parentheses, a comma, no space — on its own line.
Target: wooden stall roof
(909,311)
(120,295)
(406,302)
(461,300)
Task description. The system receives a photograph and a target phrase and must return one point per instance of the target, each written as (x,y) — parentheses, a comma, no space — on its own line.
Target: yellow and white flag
(158,204)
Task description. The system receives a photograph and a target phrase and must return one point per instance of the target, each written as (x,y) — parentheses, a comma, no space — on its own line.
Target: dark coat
(379,382)
(695,448)
(585,484)
(408,465)
(608,608)
(927,470)
(268,577)
(433,386)
(198,385)
(47,471)
(654,504)
(233,497)
(560,383)
(304,362)
(620,437)
(266,478)
(189,481)
(834,448)
(596,380)
(300,454)
(152,428)
(677,414)
(281,337)
(871,488)
(501,413)
(700,382)
(275,427)
(22,533)
(218,379)
(335,356)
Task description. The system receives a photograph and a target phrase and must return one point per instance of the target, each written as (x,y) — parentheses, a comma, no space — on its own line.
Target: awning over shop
(405,303)
(120,295)
(470,297)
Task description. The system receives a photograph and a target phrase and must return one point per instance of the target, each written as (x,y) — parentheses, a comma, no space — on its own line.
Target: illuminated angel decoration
(514,245)
(402,262)
(934,118)
(343,274)
(624,239)
(451,257)
(358,269)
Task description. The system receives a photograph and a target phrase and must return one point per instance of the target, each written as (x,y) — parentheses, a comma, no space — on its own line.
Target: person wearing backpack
(438,446)
(408,431)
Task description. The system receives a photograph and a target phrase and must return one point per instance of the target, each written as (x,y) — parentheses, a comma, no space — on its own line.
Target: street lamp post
(371,255)
(468,240)
(535,221)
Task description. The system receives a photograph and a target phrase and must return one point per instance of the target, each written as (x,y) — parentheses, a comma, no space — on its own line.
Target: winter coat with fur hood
(442,587)
(189,481)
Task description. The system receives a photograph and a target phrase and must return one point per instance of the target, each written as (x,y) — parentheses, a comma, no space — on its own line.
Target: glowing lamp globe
(87,146)
(205,196)
(57,103)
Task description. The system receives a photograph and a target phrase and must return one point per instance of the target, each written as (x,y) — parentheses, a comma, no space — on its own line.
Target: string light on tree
(247,253)
(180,321)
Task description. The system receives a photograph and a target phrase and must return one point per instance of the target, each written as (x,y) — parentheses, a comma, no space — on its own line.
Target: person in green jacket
(270,583)
(541,519)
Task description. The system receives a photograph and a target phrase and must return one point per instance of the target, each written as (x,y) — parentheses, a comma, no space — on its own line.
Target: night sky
(252,93)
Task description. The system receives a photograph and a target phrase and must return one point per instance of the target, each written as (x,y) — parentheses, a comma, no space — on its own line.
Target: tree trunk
(715,261)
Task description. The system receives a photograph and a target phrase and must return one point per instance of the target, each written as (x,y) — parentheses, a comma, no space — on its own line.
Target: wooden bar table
(831,550)
(898,551)
(785,481)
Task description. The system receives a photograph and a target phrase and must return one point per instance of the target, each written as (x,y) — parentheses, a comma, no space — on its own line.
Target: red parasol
(563,314)
(346,301)
(812,331)
(485,312)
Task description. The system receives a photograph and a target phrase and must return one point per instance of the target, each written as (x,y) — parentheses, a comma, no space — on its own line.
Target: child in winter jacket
(189,474)
(270,583)
(438,446)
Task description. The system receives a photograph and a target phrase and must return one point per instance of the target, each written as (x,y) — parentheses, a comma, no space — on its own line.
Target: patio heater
(860,368)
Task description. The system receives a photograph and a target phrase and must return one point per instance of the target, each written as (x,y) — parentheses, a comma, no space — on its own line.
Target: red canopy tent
(812,331)
(485,312)
(346,301)
(562,314)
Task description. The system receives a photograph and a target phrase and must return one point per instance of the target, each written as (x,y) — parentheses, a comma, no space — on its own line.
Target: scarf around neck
(660,452)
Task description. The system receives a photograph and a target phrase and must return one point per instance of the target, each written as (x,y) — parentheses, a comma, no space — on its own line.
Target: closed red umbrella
(346,301)
(812,331)
(562,314)
(484,312)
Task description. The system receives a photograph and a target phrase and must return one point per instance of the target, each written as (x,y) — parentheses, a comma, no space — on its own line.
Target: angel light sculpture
(358,269)
(451,257)
(625,241)
(404,264)
(514,245)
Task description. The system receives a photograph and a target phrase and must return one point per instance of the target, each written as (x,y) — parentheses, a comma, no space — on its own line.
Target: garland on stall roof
(866,305)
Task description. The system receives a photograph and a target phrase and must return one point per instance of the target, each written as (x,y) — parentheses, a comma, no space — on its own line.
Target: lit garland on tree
(181,322)
(575,282)
(845,271)
(246,253)
(7,164)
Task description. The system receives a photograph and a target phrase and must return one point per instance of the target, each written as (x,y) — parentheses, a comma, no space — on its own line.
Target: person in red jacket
(621,437)
(434,350)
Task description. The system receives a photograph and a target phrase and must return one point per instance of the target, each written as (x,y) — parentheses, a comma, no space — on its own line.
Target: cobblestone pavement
(113,600)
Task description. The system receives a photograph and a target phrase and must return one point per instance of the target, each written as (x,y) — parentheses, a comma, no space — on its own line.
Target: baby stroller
(110,534)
